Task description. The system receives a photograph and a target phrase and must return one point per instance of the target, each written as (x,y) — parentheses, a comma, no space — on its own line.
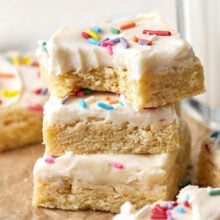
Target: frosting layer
(108,107)
(68,51)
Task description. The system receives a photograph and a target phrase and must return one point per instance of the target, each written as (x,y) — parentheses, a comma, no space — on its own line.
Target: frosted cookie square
(140,57)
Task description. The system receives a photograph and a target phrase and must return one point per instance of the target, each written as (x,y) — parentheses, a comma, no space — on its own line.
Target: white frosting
(99,169)
(24,79)
(68,51)
(202,207)
(57,113)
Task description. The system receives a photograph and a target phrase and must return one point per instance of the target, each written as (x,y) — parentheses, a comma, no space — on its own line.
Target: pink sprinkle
(106,43)
(37,108)
(49,159)
(118,165)
(85,35)
(110,50)
(168,213)
(79,94)
(37,91)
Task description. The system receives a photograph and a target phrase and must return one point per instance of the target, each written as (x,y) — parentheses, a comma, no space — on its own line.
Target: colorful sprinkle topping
(82,103)
(63,101)
(7,75)
(110,50)
(105,106)
(93,34)
(117,165)
(44,46)
(9,93)
(124,42)
(115,31)
(180,209)
(85,35)
(214,192)
(37,108)
(96,29)
(215,134)
(157,32)
(49,159)
(127,26)
(93,41)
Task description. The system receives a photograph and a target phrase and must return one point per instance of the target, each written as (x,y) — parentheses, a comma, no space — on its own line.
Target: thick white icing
(57,113)
(99,169)
(68,51)
(25,80)
(202,207)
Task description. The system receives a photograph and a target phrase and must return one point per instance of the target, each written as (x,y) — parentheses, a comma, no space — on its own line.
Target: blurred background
(23,23)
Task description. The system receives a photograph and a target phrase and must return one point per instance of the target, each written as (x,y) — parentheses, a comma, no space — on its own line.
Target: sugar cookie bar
(105,181)
(209,162)
(105,123)
(141,57)
(21,101)
(192,203)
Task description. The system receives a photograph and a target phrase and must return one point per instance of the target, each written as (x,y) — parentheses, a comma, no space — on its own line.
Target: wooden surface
(16,182)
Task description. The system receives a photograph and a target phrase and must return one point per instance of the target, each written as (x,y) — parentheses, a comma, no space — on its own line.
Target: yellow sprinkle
(15,61)
(181,138)
(93,34)
(26,60)
(9,93)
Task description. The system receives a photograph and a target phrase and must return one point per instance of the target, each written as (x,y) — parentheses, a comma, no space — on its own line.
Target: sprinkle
(158,33)
(44,91)
(106,39)
(110,50)
(106,43)
(168,213)
(44,46)
(124,42)
(115,40)
(82,103)
(144,41)
(169,205)
(127,26)
(86,91)
(79,93)
(175,203)
(214,192)
(186,182)
(215,134)
(26,60)
(15,61)
(37,91)
(49,159)
(118,165)
(93,34)
(115,30)
(142,211)
(9,93)
(35,64)
(113,101)
(7,75)
(96,29)
(107,98)
(63,101)
(207,148)
(93,41)
(135,39)
(85,35)
(105,106)
(186,204)
(180,209)
(187,197)
(35,108)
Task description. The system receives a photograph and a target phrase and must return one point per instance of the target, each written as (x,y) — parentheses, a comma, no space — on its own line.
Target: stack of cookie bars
(112,126)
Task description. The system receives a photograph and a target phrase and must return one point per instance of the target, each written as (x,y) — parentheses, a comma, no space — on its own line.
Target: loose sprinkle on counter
(117,165)
(105,106)
(157,32)
(127,26)
(82,103)
(64,100)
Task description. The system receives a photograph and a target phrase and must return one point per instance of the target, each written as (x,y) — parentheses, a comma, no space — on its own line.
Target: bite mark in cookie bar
(147,62)
(21,101)
(106,123)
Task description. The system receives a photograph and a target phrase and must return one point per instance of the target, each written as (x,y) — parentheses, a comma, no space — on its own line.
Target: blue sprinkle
(82,103)
(143,43)
(96,29)
(105,106)
(115,40)
(169,205)
(44,91)
(124,42)
(93,41)
(65,100)
(187,198)
(215,134)
(180,210)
